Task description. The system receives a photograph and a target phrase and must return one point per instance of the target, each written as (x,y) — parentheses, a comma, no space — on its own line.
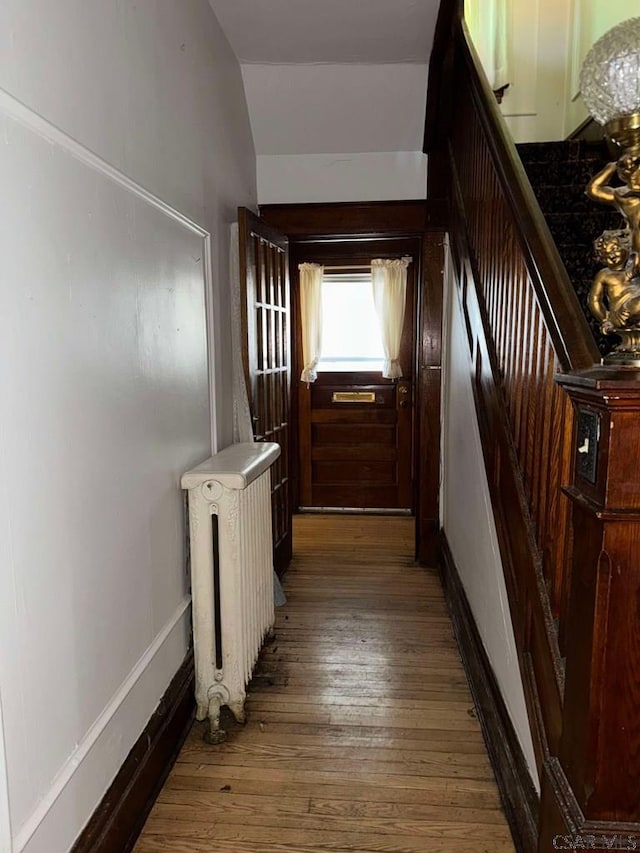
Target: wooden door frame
(305,223)
(349,251)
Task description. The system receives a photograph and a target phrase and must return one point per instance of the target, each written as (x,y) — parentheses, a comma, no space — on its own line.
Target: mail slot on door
(353,397)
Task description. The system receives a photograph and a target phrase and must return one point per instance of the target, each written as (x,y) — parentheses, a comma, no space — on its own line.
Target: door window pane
(350,334)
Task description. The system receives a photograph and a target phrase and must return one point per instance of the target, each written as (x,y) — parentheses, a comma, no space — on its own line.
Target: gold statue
(614,298)
(625,198)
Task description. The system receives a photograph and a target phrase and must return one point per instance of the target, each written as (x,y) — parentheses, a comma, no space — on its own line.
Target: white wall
(126,147)
(378,176)
(338,132)
(333,109)
(548,41)
(534,104)
(467,518)
(590,19)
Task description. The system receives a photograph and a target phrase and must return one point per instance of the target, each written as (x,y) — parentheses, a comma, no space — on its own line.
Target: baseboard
(118,820)
(517,791)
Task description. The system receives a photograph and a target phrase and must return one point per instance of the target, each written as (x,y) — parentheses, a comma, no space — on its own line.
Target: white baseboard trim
(84,778)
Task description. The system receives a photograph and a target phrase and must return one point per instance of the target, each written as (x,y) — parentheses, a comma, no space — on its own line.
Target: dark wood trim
(562,819)
(589,130)
(569,556)
(428,402)
(517,791)
(354,251)
(266,313)
(592,782)
(531,614)
(351,219)
(358,252)
(283,553)
(441,72)
(118,820)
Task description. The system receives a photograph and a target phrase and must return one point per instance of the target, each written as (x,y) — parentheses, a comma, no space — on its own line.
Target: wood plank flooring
(361,734)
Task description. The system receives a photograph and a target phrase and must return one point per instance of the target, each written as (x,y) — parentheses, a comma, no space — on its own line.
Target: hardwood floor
(361,734)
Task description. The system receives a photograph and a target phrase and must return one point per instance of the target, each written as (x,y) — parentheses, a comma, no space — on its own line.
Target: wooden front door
(356,430)
(266,356)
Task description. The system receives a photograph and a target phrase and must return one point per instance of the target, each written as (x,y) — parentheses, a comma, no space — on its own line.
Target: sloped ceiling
(332,76)
(333,109)
(337,31)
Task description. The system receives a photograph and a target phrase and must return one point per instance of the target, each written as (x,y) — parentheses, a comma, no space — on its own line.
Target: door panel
(266,357)
(359,453)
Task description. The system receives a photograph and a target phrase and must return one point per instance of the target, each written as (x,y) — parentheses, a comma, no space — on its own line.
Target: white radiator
(231,574)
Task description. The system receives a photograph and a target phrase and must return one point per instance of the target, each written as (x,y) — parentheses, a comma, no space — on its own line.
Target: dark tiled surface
(575,229)
(565,151)
(556,174)
(559,173)
(560,199)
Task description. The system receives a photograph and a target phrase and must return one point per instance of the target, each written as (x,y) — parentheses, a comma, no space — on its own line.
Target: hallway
(361,732)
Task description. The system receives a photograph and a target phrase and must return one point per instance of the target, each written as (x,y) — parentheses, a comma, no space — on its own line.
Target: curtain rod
(366,267)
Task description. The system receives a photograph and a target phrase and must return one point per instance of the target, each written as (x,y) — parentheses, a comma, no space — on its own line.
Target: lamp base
(627,353)
(624,134)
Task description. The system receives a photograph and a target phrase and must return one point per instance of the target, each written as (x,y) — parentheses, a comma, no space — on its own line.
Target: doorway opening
(355,428)
(346,235)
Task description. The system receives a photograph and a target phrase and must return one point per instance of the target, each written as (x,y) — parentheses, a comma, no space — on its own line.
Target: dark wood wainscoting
(569,532)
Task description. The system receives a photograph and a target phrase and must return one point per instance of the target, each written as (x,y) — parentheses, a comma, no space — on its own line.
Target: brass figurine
(625,198)
(614,298)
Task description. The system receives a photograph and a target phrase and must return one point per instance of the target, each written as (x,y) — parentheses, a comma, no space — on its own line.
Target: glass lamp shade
(610,77)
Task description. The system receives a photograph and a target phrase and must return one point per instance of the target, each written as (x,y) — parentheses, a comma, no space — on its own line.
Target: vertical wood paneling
(537,410)
(573,593)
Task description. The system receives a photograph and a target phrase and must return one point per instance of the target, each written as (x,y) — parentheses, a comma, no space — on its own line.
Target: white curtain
(311,313)
(488,25)
(389,281)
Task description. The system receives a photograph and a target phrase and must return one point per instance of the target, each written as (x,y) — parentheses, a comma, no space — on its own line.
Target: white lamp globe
(610,77)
